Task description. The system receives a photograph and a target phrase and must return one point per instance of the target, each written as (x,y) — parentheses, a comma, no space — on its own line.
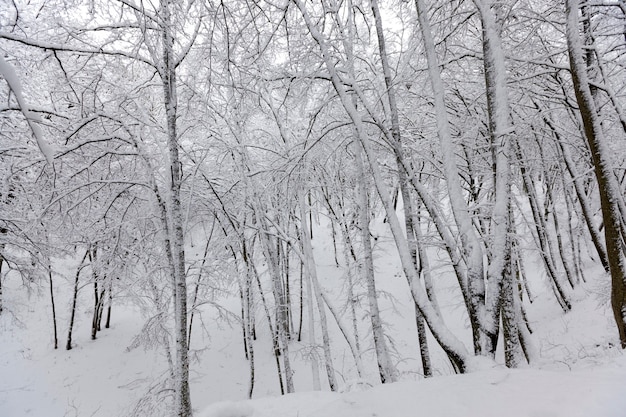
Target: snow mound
(495,392)
(481,363)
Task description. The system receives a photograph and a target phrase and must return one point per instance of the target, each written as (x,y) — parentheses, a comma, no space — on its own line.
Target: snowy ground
(496,392)
(579,371)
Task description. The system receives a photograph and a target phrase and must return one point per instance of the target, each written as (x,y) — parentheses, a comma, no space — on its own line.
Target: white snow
(8,73)
(581,371)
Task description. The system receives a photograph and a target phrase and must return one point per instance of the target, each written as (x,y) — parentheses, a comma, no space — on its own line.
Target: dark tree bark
(68,345)
(610,198)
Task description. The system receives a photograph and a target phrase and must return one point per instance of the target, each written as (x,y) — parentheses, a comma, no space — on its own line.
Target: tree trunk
(607,183)
(110,304)
(356,355)
(470,244)
(1,264)
(196,289)
(309,263)
(274,333)
(182,402)
(450,343)
(54,314)
(501,131)
(315,371)
(68,345)
(386,369)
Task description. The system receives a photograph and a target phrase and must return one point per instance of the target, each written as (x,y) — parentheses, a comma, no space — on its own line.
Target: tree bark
(607,183)
(179,280)
(470,244)
(54,314)
(68,345)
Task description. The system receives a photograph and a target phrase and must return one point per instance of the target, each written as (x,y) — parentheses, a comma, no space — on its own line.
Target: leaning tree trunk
(309,264)
(470,244)
(386,369)
(607,183)
(409,214)
(448,341)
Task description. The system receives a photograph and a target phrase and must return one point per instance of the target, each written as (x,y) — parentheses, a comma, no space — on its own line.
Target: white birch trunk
(177,241)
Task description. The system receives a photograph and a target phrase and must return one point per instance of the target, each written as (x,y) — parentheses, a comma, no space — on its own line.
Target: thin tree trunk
(315,371)
(424,262)
(309,264)
(386,369)
(68,345)
(109,305)
(356,355)
(248,313)
(54,314)
(579,187)
(274,333)
(450,343)
(349,258)
(301,301)
(559,289)
(196,289)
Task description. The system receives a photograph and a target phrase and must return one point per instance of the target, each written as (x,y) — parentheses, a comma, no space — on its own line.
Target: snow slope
(579,371)
(488,393)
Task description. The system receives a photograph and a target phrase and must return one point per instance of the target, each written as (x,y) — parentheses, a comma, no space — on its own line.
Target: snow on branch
(9,74)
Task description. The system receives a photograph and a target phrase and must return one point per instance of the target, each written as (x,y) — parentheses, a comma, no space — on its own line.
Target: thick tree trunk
(607,183)
(470,243)
(501,131)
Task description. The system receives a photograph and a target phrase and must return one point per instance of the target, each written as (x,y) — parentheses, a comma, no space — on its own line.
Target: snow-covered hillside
(578,372)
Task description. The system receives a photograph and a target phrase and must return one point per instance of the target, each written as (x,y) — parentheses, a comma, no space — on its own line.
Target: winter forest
(350,200)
